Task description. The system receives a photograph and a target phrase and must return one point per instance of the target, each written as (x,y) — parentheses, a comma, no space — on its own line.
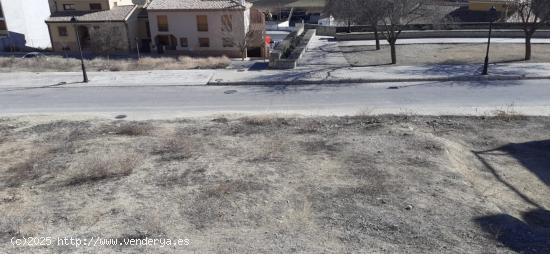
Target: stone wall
(277,59)
(444,34)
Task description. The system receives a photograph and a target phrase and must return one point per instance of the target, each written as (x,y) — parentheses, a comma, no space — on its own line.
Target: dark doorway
(145,46)
(165,42)
(254,52)
(84,36)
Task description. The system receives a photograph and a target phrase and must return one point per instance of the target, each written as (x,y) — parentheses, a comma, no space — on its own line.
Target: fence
(333,30)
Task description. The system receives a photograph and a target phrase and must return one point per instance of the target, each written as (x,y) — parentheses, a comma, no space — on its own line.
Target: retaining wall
(277,60)
(444,34)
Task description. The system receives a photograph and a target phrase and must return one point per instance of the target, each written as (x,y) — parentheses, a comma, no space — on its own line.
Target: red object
(267,39)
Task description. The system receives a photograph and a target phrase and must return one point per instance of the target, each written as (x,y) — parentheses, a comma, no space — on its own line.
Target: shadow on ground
(534,156)
(530,235)
(258,66)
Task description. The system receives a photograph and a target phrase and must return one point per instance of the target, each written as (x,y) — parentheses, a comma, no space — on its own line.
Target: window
(228,42)
(162,23)
(68,7)
(3,25)
(95,7)
(183,42)
(204,42)
(227,23)
(62,31)
(202,23)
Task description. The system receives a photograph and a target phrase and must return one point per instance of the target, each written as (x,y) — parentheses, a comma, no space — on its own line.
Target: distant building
(22,24)
(206,27)
(3,27)
(485,5)
(104,26)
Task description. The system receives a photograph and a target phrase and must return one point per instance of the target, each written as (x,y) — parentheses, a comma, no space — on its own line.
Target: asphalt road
(474,98)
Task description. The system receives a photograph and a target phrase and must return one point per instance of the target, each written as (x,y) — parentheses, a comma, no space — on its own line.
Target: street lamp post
(84,75)
(137,48)
(492,15)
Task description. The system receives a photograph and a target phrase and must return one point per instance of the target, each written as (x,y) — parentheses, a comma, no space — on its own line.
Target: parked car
(33,55)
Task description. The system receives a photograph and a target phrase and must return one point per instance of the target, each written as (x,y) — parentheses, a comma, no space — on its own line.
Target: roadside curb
(363,80)
(299,82)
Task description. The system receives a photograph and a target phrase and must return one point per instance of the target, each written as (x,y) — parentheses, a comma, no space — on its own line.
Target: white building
(206,27)
(24,24)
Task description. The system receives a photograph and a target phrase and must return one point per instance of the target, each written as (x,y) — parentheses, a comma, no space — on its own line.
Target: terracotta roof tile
(195,5)
(118,13)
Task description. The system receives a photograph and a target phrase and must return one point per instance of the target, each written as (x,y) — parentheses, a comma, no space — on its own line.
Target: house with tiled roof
(206,27)
(3,27)
(103,26)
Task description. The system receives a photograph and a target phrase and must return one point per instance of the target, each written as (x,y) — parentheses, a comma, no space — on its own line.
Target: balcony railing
(163,27)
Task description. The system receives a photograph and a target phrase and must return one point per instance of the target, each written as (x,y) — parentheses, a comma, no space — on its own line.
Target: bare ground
(418,54)
(362,184)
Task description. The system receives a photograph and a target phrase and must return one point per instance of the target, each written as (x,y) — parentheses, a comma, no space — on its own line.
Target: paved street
(528,97)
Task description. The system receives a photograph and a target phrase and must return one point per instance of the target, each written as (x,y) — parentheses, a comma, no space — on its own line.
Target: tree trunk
(528,48)
(349,26)
(393,53)
(376,37)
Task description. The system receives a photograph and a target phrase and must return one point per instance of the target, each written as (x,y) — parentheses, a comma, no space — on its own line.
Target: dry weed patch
(101,166)
(57,63)
(178,147)
(134,128)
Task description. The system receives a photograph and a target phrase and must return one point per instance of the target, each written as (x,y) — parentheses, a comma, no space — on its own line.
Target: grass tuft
(134,129)
(102,166)
(177,148)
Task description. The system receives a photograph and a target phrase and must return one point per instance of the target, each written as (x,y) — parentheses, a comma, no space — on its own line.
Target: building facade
(3,27)
(103,26)
(205,27)
(484,5)
(22,24)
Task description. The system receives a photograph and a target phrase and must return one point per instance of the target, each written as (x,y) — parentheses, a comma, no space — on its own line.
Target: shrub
(101,166)
(177,148)
(134,129)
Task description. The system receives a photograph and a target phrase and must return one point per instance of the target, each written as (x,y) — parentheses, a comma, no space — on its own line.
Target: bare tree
(107,39)
(398,14)
(370,12)
(249,33)
(252,38)
(346,10)
(532,13)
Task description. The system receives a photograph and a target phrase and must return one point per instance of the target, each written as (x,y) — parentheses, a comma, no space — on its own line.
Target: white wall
(184,24)
(27,18)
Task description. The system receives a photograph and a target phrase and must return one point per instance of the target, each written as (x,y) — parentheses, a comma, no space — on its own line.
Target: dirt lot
(362,184)
(418,54)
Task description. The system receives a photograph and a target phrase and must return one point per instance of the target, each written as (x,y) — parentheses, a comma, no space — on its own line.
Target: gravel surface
(263,184)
